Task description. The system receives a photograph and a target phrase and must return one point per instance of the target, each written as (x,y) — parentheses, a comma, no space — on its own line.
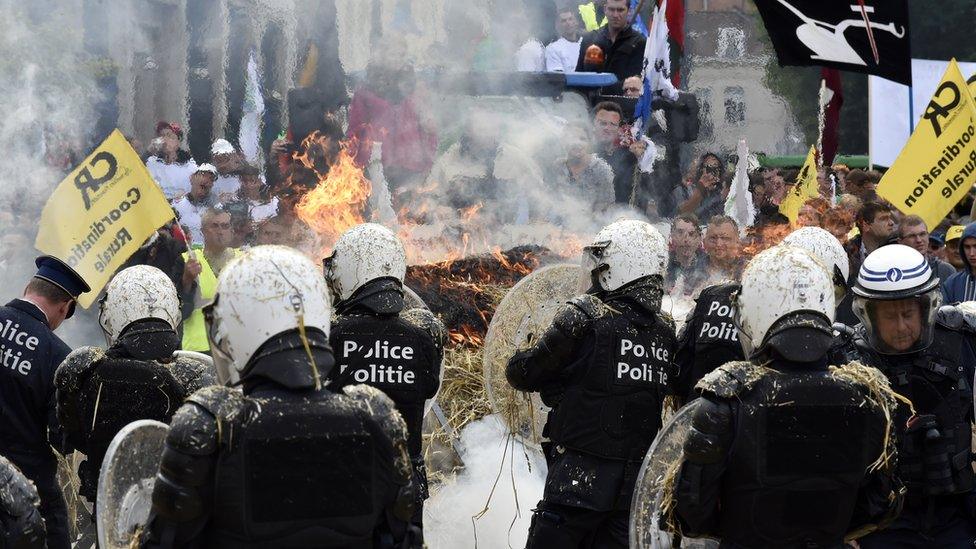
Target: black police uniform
(30,354)
(934,448)
(708,339)
(101,391)
(612,354)
(398,351)
(780,455)
(21,525)
(281,463)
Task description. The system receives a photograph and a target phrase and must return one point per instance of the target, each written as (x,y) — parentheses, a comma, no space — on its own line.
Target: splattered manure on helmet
(625,251)
(362,254)
(264,292)
(787,302)
(896,298)
(824,246)
(137,293)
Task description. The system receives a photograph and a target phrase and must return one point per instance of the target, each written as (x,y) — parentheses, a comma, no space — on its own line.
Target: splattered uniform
(612,355)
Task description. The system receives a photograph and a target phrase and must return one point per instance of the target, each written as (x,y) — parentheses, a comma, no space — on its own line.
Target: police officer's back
(100,391)
(897,297)
(611,351)
(783,451)
(282,462)
(375,340)
(30,353)
(709,337)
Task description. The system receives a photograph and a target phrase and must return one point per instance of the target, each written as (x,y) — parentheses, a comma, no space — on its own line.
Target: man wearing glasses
(199,282)
(30,353)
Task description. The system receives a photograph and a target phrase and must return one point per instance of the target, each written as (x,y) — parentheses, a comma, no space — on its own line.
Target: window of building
(704,96)
(735,105)
(731,43)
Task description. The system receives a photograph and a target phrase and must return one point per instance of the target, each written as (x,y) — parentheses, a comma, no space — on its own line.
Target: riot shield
(524,313)
(645,511)
(125,482)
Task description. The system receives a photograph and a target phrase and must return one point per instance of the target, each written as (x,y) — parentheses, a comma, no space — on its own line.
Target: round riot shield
(125,482)
(523,314)
(658,469)
(411,300)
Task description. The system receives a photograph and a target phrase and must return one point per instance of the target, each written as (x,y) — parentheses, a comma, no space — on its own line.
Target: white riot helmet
(825,247)
(896,298)
(264,292)
(137,293)
(786,289)
(362,254)
(625,251)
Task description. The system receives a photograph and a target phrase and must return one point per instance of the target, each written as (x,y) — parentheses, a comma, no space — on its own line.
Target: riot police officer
(782,451)
(376,341)
(21,525)
(30,354)
(282,462)
(611,350)
(709,338)
(897,298)
(137,377)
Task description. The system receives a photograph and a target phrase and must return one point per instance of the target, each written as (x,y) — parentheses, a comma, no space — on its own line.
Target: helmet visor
(594,262)
(899,326)
(329,268)
(224,364)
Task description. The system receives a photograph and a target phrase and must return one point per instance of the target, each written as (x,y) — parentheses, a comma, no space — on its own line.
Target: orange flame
(340,199)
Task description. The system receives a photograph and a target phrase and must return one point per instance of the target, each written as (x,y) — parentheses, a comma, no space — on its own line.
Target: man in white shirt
(170,166)
(228,163)
(199,199)
(562,54)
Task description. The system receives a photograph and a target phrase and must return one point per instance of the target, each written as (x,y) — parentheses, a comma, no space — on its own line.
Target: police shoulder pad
(428,322)
(731,379)
(224,403)
(380,407)
(957,317)
(75,364)
(590,305)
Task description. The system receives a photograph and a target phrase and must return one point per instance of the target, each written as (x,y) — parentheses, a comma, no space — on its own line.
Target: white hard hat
(625,251)
(264,292)
(777,282)
(221,146)
(137,293)
(363,253)
(897,273)
(825,247)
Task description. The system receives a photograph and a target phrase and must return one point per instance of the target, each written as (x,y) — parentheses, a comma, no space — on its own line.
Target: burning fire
(766,237)
(340,200)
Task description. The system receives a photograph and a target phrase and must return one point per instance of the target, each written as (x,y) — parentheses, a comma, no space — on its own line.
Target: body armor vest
(394,356)
(803,442)
(118,392)
(936,457)
(612,404)
(715,337)
(307,469)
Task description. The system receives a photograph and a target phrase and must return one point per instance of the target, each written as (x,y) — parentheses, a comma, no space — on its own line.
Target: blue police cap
(58,272)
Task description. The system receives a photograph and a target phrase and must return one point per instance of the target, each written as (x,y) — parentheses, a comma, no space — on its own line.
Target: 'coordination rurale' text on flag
(937,167)
(101,213)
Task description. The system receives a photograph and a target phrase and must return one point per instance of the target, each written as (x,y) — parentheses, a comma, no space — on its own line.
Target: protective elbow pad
(174,501)
(710,433)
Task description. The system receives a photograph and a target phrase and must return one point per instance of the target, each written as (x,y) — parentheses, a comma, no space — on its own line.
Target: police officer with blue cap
(30,354)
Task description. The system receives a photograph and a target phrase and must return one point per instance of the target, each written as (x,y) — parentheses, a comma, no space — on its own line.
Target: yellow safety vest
(588,14)
(194,328)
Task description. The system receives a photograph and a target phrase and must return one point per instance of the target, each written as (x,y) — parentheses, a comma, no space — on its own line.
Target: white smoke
(501,477)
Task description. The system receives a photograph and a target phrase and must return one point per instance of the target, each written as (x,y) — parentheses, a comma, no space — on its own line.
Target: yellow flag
(101,213)
(937,167)
(805,188)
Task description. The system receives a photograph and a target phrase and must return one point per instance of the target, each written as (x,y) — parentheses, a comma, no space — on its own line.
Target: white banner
(894,109)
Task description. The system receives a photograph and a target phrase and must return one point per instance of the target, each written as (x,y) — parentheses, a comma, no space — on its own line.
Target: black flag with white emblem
(869,36)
